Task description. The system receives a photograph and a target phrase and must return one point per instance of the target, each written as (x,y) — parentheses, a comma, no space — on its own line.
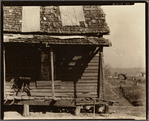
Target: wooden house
(59,49)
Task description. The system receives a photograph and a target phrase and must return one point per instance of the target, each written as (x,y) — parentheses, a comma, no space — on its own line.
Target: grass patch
(136,95)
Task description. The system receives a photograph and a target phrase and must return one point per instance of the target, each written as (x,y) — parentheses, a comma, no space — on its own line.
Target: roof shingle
(51,22)
(59,41)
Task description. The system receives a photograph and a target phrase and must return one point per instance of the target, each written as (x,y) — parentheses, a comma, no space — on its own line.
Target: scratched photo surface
(85,61)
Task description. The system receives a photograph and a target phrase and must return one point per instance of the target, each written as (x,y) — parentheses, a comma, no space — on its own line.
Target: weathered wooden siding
(76,69)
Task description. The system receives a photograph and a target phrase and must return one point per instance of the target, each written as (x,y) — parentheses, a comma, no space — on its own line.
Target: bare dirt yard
(116,112)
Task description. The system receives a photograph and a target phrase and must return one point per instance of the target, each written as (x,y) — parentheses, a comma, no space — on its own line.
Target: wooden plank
(63,94)
(47,92)
(93,64)
(79,87)
(62,91)
(9,93)
(26,110)
(94,60)
(79,84)
(7,87)
(101,75)
(86,81)
(10,84)
(97,55)
(84,65)
(103,83)
(64,102)
(89,77)
(91,71)
(77,57)
(90,74)
(71,84)
(83,91)
(86,88)
(91,103)
(39,87)
(52,71)
(38,83)
(75,78)
(48,97)
(48,83)
(92,67)
(77,110)
(89,64)
(4,70)
(33,82)
(47,87)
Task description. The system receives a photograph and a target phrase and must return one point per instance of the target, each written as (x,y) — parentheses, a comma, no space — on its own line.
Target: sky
(127,35)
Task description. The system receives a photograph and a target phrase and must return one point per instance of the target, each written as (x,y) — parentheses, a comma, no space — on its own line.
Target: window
(71,15)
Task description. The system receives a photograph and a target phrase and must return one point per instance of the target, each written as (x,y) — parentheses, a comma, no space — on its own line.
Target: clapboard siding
(78,69)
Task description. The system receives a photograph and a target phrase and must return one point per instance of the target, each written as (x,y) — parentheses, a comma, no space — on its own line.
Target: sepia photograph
(74,60)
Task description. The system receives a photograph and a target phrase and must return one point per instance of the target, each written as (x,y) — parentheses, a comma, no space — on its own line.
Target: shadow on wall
(71,62)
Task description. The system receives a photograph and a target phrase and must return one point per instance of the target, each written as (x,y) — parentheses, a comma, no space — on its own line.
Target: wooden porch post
(26,110)
(52,71)
(101,76)
(4,71)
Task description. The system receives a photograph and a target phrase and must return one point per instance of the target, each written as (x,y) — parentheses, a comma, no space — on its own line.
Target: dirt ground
(116,112)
